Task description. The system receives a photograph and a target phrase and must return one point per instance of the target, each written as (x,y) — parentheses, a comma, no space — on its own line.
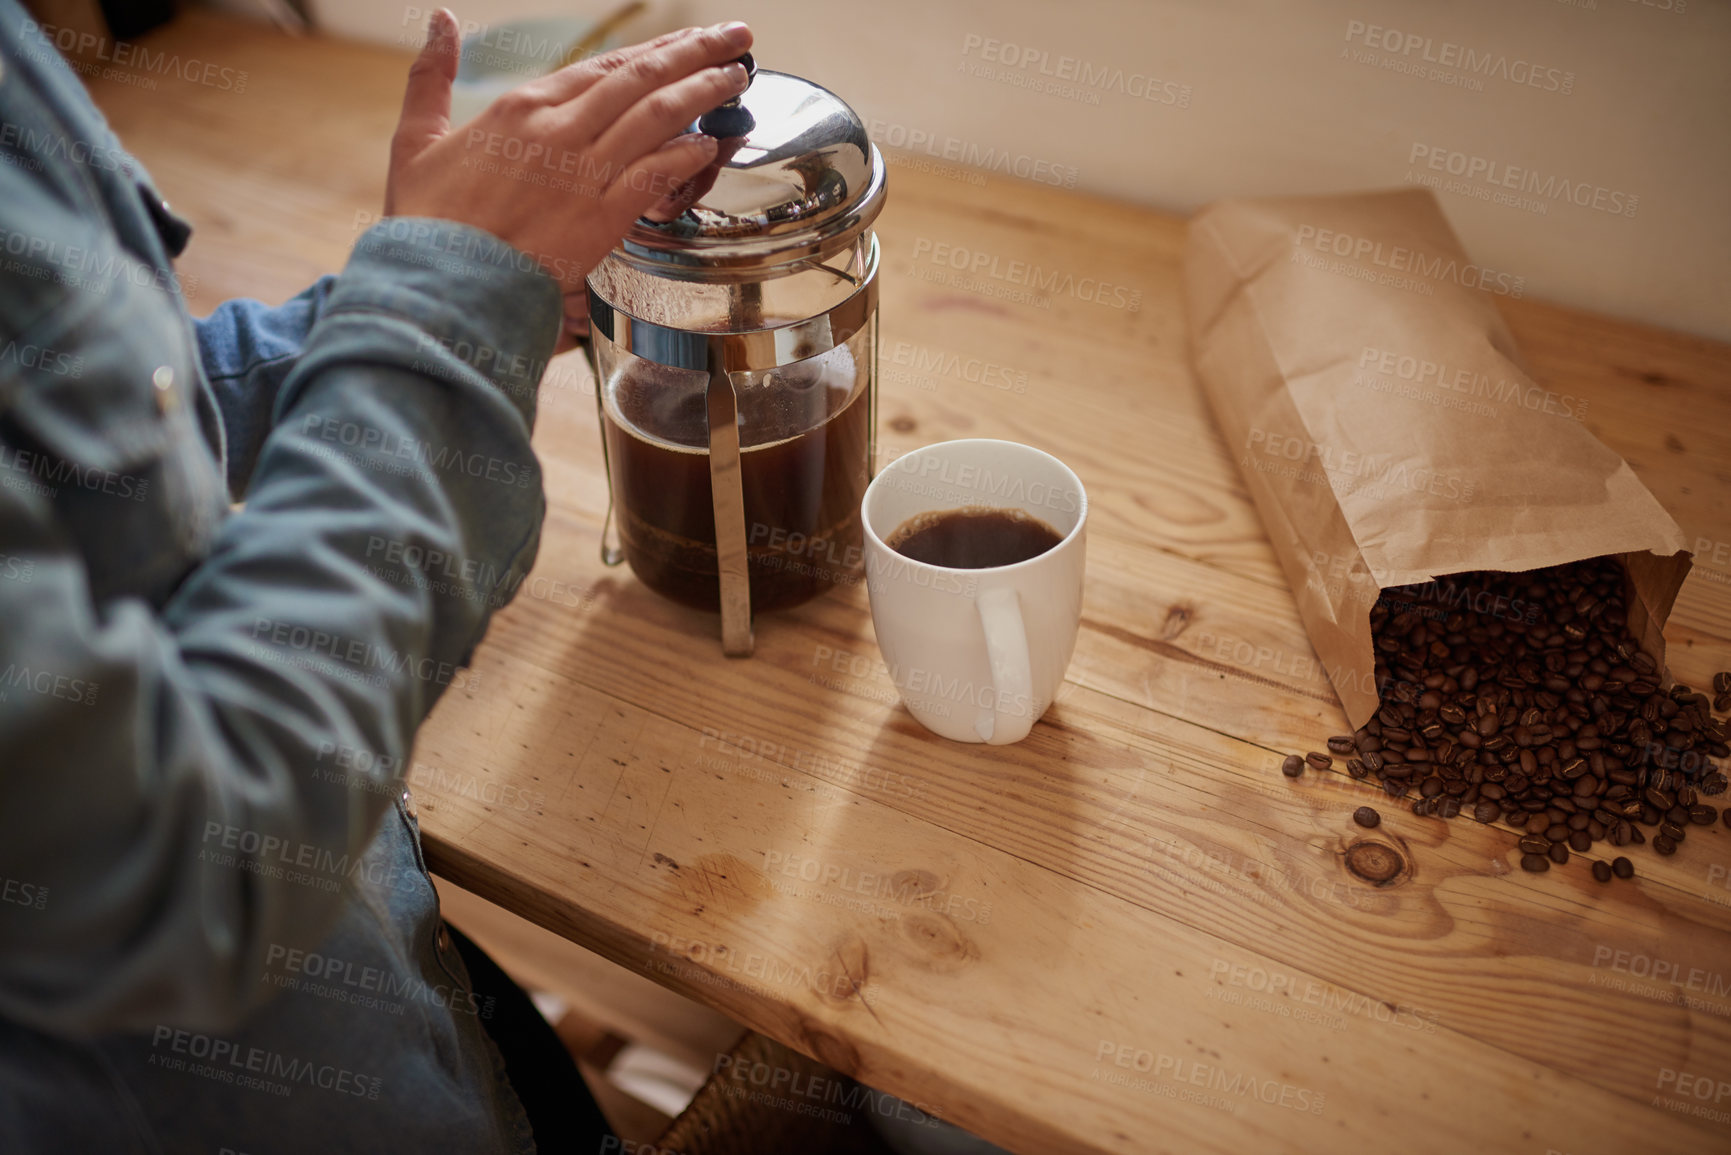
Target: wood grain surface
(1128,933)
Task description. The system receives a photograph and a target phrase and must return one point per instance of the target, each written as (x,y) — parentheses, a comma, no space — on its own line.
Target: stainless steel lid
(799,181)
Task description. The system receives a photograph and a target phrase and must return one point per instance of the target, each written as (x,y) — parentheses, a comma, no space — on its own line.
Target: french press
(735,351)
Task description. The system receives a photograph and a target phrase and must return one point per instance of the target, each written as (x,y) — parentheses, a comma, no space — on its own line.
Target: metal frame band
(752,351)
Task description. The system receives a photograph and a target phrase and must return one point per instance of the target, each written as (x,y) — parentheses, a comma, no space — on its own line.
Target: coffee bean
(1318,761)
(1557,715)
(1701,814)
(1722,682)
(1366,817)
(1559,854)
(1558,832)
(1536,863)
(1622,867)
(1663,845)
(1671,830)
(1534,844)
(1579,842)
(1602,871)
(1292,766)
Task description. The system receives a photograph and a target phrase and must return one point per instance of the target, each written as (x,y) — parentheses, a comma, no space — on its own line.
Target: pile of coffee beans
(1524,698)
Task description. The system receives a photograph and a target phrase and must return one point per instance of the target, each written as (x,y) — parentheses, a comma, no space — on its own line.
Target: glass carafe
(735,347)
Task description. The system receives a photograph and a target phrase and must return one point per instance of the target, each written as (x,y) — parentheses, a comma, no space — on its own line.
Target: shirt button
(166,396)
(409,803)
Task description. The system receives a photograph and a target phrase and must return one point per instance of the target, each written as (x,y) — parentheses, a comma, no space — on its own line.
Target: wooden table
(1128,933)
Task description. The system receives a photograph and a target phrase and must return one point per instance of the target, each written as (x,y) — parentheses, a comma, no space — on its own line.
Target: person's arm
(178,821)
(248,349)
(171,807)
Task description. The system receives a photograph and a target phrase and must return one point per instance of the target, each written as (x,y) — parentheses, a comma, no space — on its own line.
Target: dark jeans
(565,1116)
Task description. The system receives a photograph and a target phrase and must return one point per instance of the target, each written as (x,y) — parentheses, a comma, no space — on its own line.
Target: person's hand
(561,166)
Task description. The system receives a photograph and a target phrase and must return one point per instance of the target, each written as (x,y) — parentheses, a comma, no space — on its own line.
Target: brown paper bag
(1376,404)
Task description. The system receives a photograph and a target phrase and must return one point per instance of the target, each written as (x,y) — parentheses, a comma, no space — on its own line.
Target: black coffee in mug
(974,537)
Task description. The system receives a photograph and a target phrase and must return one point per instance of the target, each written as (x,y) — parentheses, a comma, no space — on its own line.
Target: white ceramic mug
(977,654)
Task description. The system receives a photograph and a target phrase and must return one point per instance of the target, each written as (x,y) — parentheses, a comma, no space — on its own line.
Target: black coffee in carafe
(804,468)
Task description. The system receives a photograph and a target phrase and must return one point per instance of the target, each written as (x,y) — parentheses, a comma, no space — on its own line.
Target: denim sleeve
(184,821)
(248,350)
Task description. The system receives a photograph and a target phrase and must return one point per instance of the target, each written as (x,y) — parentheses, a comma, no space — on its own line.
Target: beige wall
(1622,104)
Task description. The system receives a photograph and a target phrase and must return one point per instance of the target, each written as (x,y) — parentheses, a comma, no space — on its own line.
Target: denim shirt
(216,928)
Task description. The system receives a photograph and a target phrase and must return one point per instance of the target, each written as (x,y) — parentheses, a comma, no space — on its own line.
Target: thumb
(427,102)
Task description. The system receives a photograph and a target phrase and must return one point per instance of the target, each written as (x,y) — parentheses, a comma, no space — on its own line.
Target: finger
(683,197)
(690,191)
(655,178)
(609,98)
(574,79)
(664,113)
(427,101)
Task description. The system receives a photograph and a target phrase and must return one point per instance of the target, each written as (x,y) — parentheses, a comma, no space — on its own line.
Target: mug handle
(1012,678)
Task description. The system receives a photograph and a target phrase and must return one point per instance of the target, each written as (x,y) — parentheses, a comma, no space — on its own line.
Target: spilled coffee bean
(1525,697)
(1602,871)
(1292,766)
(1622,867)
(1366,817)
